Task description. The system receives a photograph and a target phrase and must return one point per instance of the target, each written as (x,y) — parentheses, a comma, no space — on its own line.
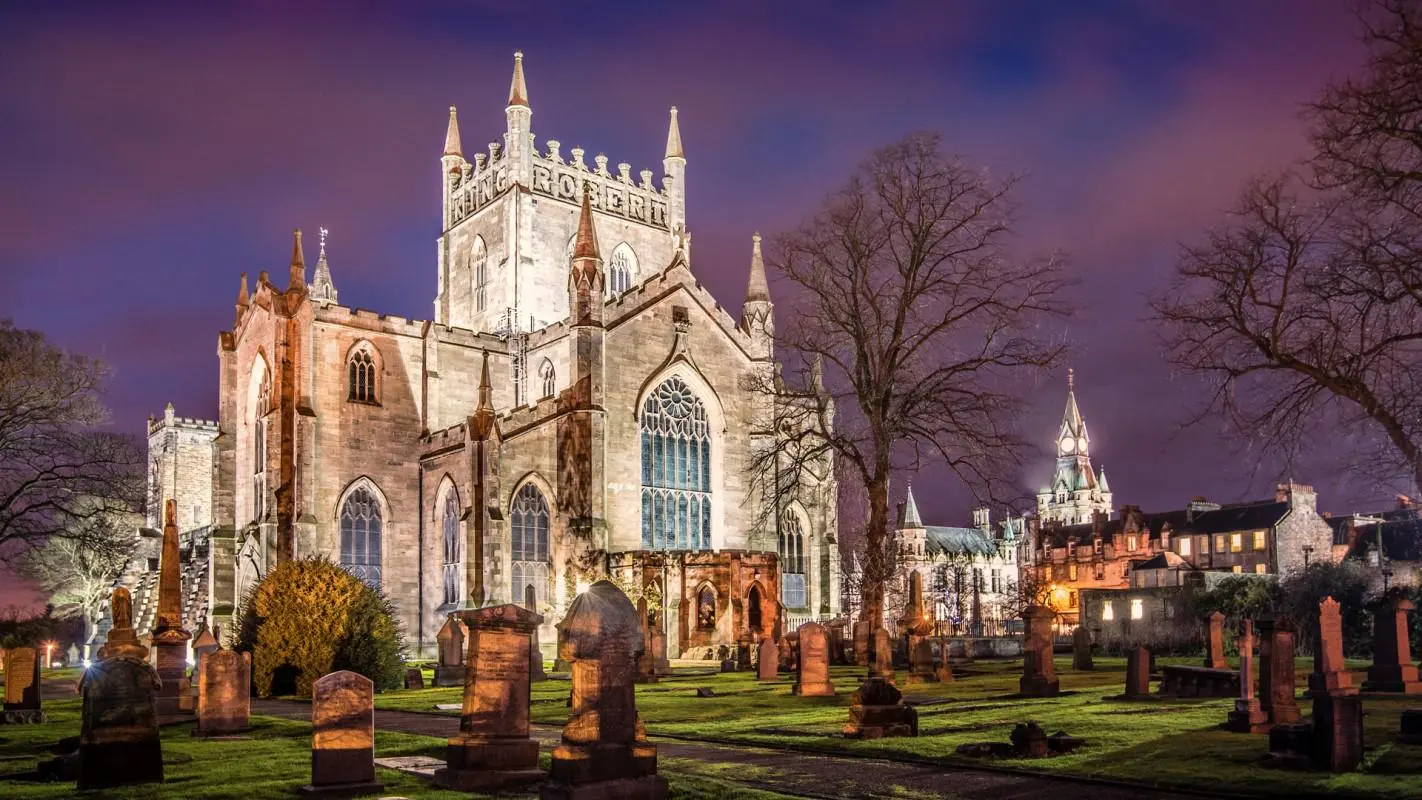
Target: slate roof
(955,541)
(1226,519)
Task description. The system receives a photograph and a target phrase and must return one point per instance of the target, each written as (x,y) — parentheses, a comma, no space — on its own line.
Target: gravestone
(877,710)
(1329,674)
(170,641)
(1214,641)
(1248,716)
(1276,669)
(535,658)
(122,640)
(22,687)
(205,642)
(71,656)
(1337,731)
(449,670)
(881,664)
(1138,673)
(1392,669)
(414,678)
(657,640)
(646,670)
(744,646)
(1081,649)
(118,735)
(1039,672)
(786,652)
(224,704)
(812,677)
(769,664)
(924,667)
(493,749)
(834,631)
(604,752)
(343,742)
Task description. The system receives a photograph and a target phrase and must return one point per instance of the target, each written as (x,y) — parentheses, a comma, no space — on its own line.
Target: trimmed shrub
(308,618)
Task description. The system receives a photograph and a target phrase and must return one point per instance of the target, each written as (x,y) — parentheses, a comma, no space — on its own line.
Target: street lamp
(49,655)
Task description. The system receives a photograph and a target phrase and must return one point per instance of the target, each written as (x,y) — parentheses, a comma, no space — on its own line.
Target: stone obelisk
(170,641)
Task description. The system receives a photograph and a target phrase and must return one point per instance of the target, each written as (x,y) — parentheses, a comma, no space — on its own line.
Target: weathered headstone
(604,752)
(812,677)
(535,658)
(1039,672)
(1337,730)
(1276,675)
(877,710)
(657,640)
(1029,741)
(924,667)
(449,670)
(118,739)
(1081,649)
(1214,641)
(769,664)
(744,646)
(414,678)
(122,638)
(224,704)
(1138,673)
(1392,669)
(343,743)
(170,641)
(493,749)
(1248,716)
(1330,674)
(787,652)
(834,630)
(881,663)
(22,687)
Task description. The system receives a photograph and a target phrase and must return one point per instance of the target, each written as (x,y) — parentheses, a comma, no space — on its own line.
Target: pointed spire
(322,287)
(1101,481)
(585,246)
(1071,417)
(486,389)
(674,138)
(518,91)
(298,262)
(758,289)
(451,136)
(243,298)
(483,424)
(911,518)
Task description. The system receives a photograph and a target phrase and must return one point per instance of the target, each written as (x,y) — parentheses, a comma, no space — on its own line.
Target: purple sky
(152,153)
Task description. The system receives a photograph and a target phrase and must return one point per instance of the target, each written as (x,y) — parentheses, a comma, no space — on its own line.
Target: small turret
(586,279)
(484,422)
(911,519)
(518,136)
(674,166)
(322,289)
(452,146)
(518,90)
(243,299)
(758,313)
(298,264)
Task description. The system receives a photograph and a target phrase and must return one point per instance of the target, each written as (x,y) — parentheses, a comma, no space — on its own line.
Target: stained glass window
(360,536)
(528,525)
(792,562)
(453,549)
(676,469)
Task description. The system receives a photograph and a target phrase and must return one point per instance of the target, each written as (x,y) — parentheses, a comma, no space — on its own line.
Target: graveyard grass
(271,761)
(1163,743)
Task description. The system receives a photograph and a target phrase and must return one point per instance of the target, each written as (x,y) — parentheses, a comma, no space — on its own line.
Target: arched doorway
(754,613)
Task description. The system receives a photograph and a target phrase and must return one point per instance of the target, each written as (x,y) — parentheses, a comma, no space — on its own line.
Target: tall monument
(170,640)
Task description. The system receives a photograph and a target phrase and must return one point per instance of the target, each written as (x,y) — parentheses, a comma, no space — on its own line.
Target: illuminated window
(1236,542)
(1137,608)
(1184,547)
(1261,568)
(1131,543)
(1071,571)
(1202,545)
(1071,599)
(1107,612)
(1261,539)
(1237,569)
(1221,542)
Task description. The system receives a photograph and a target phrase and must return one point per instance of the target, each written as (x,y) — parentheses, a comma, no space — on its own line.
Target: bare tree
(77,572)
(910,315)
(1303,310)
(53,460)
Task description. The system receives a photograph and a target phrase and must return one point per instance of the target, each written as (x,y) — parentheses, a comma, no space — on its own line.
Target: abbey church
(578,406)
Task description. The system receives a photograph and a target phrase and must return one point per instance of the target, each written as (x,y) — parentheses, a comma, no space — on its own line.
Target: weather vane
(323,242)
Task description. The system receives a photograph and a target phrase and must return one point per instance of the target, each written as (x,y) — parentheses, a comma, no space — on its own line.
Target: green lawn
(1168,742)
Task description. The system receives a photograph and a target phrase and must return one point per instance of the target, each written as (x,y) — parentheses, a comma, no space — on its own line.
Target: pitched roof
(1225,519)
(954,541)
(911,518)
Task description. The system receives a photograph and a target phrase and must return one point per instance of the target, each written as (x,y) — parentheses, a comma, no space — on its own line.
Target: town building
(1077,492)
(1387,543)
(579,405)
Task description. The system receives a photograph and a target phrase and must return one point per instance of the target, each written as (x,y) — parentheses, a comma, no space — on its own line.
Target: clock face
(1081,444)
(1068,444)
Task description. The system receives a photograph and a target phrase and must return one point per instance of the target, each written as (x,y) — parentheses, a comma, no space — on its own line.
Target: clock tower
(1077,491)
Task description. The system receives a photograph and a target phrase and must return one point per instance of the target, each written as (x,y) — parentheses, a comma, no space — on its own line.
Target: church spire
(585,279)
(1072,424)
(518,90)
(451,136)
(321,286)
(585,245)
(298,262)
(674,138)
(758,289)
(483,424)
(911,518)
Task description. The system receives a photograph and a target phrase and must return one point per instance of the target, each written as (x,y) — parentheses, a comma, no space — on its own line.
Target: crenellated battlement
(156,424)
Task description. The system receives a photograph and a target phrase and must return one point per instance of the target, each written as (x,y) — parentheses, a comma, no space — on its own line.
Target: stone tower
(1077,491)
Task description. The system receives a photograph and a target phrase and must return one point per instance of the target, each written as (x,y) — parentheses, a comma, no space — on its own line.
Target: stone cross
(1330,674)
(1214,641)
(769,660)
(343,742)
(118,738)
(224,703)
(604,750)
(1392,669)
(493,749)
(812,677)
(1039,672)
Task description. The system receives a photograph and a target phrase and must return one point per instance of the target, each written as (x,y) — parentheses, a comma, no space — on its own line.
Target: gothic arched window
(361,526)
(621,269)
(362,375)
(453,549)
(676,469)
(481,273)
(792,561)
(528,527)
(706,609)
(261,407)
(548,376)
